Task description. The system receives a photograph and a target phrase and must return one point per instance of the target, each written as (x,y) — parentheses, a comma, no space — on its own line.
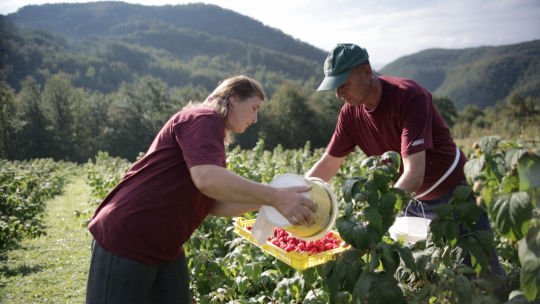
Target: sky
(388,29)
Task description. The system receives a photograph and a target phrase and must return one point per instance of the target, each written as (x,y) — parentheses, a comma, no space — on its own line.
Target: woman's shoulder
(197,112)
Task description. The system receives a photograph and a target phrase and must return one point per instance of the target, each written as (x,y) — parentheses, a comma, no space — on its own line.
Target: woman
(140,227)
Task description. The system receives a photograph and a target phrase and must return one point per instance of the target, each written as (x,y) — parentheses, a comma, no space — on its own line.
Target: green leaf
(373,217)
(437,227)
(352,273)
(451,231)
(462,193)
(242,283)
(362,285)
(512,156)
(350,255)
(407,257)
(354,233)
(421,263)
(443,210)
(385,290)
(382,178)
(333,278)
(512,214)
(370,161)
(462,288)
(529,256)
(467,215)
(374,262)
(479,259)
(394,157)
(489,143)
(373,197)
(496,165)
(529,176)
(343,297)
(510,183)
(459,250)
(319,297)
(486,240)
(474,167)
(349,209)
(351,186)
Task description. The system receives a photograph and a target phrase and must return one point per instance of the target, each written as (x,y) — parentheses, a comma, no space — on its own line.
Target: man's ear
(367,70)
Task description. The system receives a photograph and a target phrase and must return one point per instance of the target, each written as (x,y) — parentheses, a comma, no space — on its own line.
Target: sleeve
(416,135)
(341,143)
(201,140)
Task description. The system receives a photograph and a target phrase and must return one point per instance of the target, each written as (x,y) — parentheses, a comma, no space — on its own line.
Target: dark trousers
(483,224)
(114,279)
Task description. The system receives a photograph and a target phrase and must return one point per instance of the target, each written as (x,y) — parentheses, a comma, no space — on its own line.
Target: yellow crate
(298,261)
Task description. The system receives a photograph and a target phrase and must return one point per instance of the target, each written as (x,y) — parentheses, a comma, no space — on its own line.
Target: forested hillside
(80,20)
(476,76)
(132,67)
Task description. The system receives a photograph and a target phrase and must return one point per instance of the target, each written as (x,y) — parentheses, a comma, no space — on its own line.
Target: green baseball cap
(339,63)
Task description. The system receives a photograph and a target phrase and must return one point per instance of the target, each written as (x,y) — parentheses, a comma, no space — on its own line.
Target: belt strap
(456,160)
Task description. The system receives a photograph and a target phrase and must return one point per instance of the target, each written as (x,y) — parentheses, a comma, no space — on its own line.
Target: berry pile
(283,240)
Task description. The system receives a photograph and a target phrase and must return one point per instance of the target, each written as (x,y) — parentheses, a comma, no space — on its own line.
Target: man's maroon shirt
(405,121)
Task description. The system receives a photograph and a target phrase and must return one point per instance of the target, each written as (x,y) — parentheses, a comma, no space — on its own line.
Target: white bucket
(414,228)
(321,194)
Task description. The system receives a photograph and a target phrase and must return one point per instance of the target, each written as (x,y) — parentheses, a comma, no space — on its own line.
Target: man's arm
(414,167)
(225,209)
(326,167)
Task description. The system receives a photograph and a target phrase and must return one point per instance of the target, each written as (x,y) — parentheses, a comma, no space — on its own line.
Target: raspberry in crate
(285,241)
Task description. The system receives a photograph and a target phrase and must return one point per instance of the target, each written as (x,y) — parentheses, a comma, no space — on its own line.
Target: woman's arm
(225,209)
(224,185)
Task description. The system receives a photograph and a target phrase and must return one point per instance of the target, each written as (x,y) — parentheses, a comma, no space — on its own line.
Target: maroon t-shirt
(154,210)
(405,121)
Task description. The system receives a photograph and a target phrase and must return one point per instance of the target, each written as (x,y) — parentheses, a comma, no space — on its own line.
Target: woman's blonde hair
(241,87)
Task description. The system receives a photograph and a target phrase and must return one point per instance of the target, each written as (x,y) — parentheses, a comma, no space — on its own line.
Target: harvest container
(298,261)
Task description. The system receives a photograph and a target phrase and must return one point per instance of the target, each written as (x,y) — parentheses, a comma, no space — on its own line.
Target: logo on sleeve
(418,142)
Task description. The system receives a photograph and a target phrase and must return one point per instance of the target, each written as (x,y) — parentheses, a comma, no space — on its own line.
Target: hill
(81,20)
(177,56)
(474,76)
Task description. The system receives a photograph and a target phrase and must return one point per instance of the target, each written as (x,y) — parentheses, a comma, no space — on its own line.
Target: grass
(52,268)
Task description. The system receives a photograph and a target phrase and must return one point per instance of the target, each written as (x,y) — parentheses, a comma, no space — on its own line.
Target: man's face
(356,88)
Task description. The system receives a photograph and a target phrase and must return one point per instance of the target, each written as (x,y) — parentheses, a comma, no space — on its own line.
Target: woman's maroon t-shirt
(154,210)
(405,121)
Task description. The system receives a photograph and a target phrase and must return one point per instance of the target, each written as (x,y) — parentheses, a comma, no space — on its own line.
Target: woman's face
(242,113)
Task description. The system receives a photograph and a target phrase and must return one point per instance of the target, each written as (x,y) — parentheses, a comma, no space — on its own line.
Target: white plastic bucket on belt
(414,228)
(321,194)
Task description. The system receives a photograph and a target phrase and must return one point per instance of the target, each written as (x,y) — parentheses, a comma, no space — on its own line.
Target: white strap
(456,160)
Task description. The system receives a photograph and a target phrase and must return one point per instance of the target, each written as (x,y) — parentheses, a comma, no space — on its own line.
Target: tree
(8,146)
(34,125)
(446,108)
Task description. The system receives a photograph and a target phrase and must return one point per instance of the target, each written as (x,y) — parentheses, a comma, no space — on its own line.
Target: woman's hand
(296,208)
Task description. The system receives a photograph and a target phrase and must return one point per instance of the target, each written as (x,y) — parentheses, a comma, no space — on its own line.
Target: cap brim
(333,82)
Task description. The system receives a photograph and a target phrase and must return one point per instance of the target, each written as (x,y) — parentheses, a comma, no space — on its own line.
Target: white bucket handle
(422,206)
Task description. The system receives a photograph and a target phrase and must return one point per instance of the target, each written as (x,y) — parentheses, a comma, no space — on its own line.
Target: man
(383,114)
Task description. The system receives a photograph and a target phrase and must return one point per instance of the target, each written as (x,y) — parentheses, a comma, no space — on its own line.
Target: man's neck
(375,93)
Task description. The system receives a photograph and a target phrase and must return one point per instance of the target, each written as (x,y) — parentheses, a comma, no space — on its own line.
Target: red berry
(301,245)
(310,244)
(330,235)
(316,243)
(334,246)
(328,246)
(249,228)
